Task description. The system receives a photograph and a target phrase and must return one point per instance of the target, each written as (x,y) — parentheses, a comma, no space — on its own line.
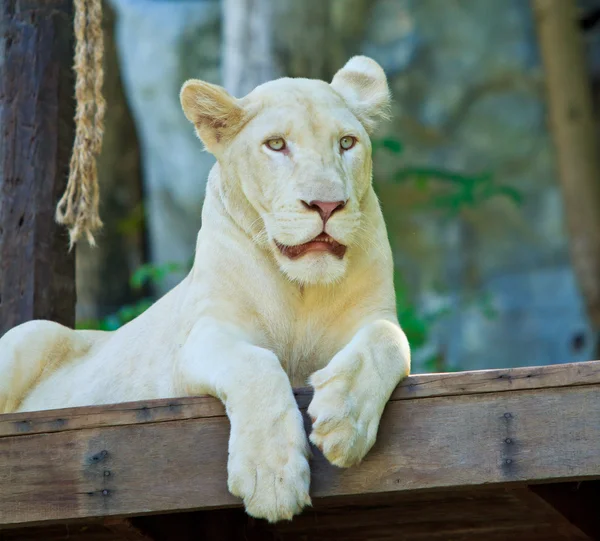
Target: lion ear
(363,85)
(216,114)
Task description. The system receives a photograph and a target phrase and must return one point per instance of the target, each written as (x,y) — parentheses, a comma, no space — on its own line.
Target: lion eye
(277,144)
(347,142)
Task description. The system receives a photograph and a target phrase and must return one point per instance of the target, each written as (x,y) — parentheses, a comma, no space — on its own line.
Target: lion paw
(345,419)
(268,468)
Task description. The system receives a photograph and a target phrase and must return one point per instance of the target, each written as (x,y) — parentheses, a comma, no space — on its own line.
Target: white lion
(292,279)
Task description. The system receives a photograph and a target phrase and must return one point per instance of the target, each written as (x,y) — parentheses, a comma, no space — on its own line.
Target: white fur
(247,323)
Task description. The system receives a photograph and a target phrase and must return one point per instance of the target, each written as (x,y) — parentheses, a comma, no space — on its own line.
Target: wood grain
(462,441)
(490,515)
(460,515)
(577,502)
(418,386)
(466,515)
(81,531)
(36,136)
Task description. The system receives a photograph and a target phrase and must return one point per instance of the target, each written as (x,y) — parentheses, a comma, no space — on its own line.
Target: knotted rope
(78,207)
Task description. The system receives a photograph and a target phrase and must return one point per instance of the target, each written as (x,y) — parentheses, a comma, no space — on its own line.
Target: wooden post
(575,137)
(36,136)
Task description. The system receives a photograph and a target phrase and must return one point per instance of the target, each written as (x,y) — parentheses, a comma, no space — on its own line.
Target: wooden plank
(491,381)
(215,525)
(123,414)
(88,531)
(418,386)
(489,439)
(464,515)
(122,529)
(36,119)
(577,502)
(456,515)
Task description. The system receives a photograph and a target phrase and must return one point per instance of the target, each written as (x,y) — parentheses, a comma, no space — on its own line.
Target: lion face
(295,155)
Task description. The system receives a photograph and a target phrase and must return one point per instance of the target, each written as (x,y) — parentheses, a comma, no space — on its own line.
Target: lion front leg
(351,392)
(268,449)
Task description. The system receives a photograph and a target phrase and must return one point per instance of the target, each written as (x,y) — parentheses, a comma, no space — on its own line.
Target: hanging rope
(78,207)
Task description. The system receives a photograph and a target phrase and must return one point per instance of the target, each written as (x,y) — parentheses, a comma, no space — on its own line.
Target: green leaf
(88,325)
(511,193)
(421,182)
(154,274)
(388,143)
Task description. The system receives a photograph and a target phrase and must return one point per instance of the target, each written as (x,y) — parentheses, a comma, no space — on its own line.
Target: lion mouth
(321,243)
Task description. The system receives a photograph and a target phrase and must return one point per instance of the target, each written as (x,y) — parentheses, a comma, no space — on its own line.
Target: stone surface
(161,45)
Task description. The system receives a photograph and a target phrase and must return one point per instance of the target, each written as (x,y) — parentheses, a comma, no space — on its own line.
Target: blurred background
(466,171)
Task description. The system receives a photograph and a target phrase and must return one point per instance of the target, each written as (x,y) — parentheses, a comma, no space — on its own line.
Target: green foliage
(123,315)
(150,274)
(417,325)
(466,191)
(387,143)
(146,275)
(461,191)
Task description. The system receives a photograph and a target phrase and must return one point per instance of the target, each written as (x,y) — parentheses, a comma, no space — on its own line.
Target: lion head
(294,158)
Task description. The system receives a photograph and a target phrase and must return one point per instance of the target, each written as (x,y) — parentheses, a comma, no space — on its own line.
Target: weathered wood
(418,386)
(484,515)
(122,529)
(80,531)
(36,120)
(215,525)
(577,502)
(498,438)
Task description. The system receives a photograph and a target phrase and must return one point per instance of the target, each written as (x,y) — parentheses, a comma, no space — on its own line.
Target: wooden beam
(173,457)
(439,516)
(418,386)
(215,525)
(36,135)
(577,502)
(117,530)
(122,529)
(468,515)
(477,515)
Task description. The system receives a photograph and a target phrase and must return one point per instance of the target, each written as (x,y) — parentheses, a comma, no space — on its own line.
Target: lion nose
(325,208)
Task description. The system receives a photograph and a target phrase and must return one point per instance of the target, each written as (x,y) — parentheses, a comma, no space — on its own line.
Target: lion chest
(305,339)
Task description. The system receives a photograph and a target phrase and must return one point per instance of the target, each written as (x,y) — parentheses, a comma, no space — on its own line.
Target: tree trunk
(36,136)
(314,39)
(263,40)
(575,137)
(248,56)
